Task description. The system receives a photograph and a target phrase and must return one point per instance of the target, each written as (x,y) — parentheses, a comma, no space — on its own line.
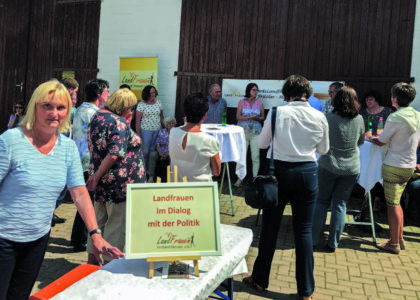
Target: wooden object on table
(169,259)
(175,172)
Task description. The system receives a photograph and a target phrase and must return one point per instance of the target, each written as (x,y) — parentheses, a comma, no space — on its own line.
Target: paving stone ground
(357,270)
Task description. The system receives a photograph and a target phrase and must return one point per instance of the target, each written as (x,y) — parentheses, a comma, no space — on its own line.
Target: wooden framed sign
(172,219)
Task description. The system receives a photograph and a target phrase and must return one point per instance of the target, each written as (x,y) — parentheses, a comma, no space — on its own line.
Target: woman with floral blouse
(116,159)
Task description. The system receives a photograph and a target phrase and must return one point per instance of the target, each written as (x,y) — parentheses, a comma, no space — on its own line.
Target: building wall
(147,28)
(415,63)
(132,28)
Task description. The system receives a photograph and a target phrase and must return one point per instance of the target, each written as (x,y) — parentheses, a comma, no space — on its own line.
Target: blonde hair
(120,100)
(41,93)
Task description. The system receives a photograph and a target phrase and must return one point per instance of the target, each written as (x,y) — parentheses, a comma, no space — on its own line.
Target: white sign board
(269,93)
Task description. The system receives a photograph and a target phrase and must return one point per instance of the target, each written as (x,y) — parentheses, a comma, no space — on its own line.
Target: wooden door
(366,43)
(41,39)
(14,28)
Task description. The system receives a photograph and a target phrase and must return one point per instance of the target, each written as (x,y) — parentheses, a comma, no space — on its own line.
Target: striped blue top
(30,183)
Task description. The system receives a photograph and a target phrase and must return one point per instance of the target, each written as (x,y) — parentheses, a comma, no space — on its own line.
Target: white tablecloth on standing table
(128,278)
(371,158)
(232,144)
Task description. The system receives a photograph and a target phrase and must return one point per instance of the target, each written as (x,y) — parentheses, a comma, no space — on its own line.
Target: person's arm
(215,164)
(225,104)
(12,121)
(158,150)
(239,116)
(106,164)
(324,145)
(139,115)
(162,156)
(264,139)
(84,206)
(262,113)
(362,133)
(374,140)
(5,160)
(162,124)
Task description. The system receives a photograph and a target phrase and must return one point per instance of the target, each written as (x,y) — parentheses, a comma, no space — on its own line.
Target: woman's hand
(373,139)
(254,117)
(163,156)
(100,246)
(82,200)
(92,182)
(106,164)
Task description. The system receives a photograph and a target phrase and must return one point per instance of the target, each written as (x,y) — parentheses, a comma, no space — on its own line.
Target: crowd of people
(118,141)
(312,188)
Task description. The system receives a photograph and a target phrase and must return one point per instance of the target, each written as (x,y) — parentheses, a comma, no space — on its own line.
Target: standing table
(371,158)
(232,148)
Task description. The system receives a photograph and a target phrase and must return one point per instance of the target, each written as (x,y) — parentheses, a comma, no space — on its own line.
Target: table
(371,158)
(128,278)
(232,148)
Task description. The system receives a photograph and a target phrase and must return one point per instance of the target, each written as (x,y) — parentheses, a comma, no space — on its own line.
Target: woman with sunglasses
(17,116)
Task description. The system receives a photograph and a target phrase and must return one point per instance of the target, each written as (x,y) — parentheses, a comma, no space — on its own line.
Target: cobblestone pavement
(357,270)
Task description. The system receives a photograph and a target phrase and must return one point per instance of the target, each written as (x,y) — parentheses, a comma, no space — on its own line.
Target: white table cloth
(371,158)
(128,278)
(232,144)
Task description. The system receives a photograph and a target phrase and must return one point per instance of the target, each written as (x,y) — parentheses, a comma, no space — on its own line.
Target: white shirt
(402,143)
(300,132)
(193,161)
(150,119)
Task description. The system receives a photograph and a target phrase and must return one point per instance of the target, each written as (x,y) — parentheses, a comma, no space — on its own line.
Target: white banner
(269,91)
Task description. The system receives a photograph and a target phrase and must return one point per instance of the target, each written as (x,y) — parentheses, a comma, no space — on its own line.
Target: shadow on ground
(52,266)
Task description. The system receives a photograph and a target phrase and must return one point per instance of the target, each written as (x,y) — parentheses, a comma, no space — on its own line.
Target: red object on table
(64,282)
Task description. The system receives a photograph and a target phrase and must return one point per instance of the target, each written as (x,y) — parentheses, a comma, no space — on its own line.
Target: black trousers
(19,267)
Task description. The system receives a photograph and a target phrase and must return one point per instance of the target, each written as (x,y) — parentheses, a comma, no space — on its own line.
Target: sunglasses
(20,107)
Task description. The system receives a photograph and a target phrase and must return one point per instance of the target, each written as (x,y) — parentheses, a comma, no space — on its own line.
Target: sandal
(402,245)
(250,282)
(388,247)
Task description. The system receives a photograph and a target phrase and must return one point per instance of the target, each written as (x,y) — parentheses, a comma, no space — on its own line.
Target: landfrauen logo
(171,240)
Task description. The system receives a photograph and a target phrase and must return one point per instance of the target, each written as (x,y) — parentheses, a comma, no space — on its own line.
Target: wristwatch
(95,231)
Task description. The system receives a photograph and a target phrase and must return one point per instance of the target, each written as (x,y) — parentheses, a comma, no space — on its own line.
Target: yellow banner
(138,72)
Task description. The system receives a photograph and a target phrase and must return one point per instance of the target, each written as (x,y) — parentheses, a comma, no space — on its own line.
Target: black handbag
(262,192)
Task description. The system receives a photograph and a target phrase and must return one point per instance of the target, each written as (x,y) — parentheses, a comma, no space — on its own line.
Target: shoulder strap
(273,128)
(273,121)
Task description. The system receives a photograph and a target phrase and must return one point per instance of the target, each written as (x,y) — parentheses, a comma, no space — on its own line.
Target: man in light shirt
(96,91)
(216,105)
